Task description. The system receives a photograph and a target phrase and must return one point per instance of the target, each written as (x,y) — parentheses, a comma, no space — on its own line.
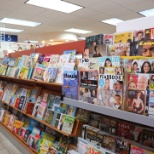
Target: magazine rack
(129,116)
(56,89)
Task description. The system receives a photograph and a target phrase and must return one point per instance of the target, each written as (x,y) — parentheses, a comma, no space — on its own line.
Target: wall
(54,49)
(135,24)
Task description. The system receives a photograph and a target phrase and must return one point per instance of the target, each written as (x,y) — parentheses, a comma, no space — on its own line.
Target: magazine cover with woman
(88,86)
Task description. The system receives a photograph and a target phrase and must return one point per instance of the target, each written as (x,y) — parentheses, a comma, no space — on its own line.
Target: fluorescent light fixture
(10,30)
(57,5)
(147,13)
(73,30)
(19,22)
(30,41)
(112,21)
(81,38)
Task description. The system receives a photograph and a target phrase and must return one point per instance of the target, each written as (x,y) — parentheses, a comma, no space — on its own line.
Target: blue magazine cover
(70,84)
(73,54)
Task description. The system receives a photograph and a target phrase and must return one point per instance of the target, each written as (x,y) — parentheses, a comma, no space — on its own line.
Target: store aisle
(6,147)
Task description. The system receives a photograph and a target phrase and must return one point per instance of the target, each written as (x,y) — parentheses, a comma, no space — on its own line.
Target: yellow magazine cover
(23,73)
(6,119)
(123,37)
(18,124)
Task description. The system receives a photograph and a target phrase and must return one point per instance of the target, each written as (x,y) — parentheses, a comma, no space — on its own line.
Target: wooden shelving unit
(22,142)
(74,133)
(55,87)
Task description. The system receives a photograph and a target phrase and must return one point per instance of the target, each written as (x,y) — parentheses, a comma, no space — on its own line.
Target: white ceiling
(88,18)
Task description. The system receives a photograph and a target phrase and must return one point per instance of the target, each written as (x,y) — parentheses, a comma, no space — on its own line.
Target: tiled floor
(6,147)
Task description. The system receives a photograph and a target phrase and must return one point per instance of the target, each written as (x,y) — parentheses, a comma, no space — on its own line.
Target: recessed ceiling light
(73,30)
(51,40)
(112,21)
(57,5)
(147,13)
(11,30)
(19,22)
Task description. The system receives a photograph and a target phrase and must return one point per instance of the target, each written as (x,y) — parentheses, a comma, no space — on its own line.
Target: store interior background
(51,31)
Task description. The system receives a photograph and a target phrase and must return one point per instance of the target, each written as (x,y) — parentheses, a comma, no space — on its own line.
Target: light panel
(112,21)
(80,31)
(11,30)
(19,22)
(57,5)
(147,13)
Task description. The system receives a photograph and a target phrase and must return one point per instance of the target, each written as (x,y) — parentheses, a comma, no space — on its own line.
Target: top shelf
(129,116)
(46,85)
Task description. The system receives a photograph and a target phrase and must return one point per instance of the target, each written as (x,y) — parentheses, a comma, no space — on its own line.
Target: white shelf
(132,117)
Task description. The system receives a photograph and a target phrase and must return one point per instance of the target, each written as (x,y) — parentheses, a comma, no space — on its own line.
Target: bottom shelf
(24,144)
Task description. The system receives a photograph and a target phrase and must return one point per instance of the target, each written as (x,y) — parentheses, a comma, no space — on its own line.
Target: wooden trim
(22,142)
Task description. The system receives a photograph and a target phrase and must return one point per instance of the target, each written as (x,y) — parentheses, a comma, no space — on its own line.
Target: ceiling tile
(141,6)
(130,16)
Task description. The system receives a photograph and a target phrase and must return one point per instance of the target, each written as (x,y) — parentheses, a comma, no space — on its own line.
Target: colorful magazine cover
(54,59)
(88,86)
(139,150)
(70,84)
(68,124)
(123,37)
(38,72)
(83,64)
(65,58)
(73,54)
(108,39)
(135,101)
(137,81)
(146,48)
(149,33)
(109,61)
(151,103)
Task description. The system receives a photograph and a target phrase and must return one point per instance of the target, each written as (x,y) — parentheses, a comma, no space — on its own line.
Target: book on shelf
(65,58)
(68,124)
(41,110)
(48,116)
(71,110)
(38,72)
(23,72)
(11,121)
(72,57)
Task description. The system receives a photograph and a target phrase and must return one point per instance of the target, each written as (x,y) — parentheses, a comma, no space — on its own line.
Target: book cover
(124,129)
(6,60)
(56,102)
(82,145)
(48,116)
(11,121)
(23,72)
(6,119)
(29,107)
(17,125)
(123,37)
(38,72)
(71,110)
(54,59)
(93,149)
(65,58)
(68,124)
(82,114)
(109,143)
(33,95)
(139,150)
(60,122)
(12,62)
(27,133)
(35,110)
(57,114)
(135,101)
(41,111)
(73,53)
(22,102)
(122,146)
(70,84)
(22,132)
(50,101)
(148,138)
(88,84)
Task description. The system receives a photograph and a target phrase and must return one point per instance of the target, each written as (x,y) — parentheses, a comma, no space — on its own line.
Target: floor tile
(4,151)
